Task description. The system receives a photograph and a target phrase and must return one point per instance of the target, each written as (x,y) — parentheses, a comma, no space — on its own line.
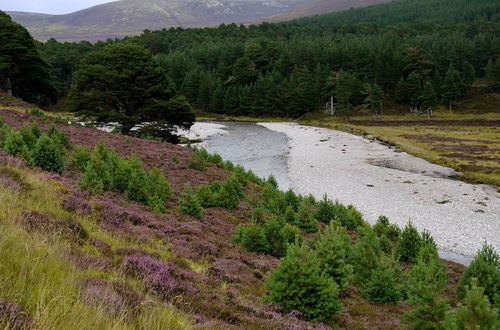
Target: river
(369,175)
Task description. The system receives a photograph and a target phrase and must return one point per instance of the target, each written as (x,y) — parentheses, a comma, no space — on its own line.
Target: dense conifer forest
(415,53)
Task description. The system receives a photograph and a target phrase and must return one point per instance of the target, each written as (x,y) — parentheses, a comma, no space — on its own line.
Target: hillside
(130,17)
(319,7)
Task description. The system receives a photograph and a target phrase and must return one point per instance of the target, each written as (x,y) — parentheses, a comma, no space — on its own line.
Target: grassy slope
(47,274)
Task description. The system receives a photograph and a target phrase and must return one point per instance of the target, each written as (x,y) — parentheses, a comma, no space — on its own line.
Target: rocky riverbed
(372,176)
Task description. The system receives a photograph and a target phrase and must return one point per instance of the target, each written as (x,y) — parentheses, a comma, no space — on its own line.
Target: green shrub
(385,244)
(252,238)
(35,130)
(292,234)
(384,283)
(331,249)
(426,276)
(5,130)
(271,180)
(207,195)
(91,179)
(275,237)
(28,137)
(477,313)
(121,171)
(290,215)
(47,155)
(137,188)
(382,226)
(227,199)
(258,215)
(175,159)
(365,254)
(352,219)
(393,232)
(409,244)
(486,269)
(325,211)
(197,163)
(292,200)
(431,312)
(80,157)
(299,284)
(305,218)
(189,204)
(14,145)
(60,137)
(158,190)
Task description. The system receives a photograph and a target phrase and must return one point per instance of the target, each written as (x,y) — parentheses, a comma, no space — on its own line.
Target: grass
(35,273)
(464,142)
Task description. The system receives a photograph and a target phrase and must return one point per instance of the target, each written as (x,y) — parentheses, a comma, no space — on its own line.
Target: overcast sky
(48,6)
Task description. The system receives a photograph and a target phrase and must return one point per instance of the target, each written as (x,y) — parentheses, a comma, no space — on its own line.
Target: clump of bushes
(43,150)
(197,163)
(47,155)
(270,236)
(299,284)
(226,195)
(105,170)
(189,204)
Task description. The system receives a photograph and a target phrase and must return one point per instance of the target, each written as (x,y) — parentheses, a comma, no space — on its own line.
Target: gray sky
(48,6)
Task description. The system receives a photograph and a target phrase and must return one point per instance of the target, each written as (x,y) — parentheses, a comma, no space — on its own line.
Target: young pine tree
(384,283)
(477,313)
(189,204)
(299,284)
(409,244)
(486,269)
(47,155)
(332,248)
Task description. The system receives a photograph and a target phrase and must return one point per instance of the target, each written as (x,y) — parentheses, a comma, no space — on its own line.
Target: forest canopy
(22,71)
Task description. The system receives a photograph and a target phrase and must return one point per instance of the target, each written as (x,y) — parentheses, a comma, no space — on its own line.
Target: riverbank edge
(324,121)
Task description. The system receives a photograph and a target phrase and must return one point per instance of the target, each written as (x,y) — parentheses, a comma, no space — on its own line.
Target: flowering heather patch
(103,247)
(33,221)
(116,298)
(78,204)
(85,260)
(12,179)
(10,183)
(11,161)
(13,316)
(166,280)
(70,229)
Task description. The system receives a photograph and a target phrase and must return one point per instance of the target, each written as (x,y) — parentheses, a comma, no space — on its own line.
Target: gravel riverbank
(380,181)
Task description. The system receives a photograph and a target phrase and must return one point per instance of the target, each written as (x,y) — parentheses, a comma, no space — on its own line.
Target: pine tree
(469,73)
(431,312)
(428,98)
(331,249)
(477,313)
(299,284)
(373,98)
(365,255)
(189,204)
(452,86)
(409,244)
(486,269)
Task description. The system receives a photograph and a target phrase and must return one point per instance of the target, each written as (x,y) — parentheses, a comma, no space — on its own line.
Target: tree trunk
(8,86)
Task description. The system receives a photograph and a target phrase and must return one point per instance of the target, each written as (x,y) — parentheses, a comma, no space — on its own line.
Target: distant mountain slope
(318,7)
(130,17)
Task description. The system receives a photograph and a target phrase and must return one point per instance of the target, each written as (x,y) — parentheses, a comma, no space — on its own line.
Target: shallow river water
(372,176)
